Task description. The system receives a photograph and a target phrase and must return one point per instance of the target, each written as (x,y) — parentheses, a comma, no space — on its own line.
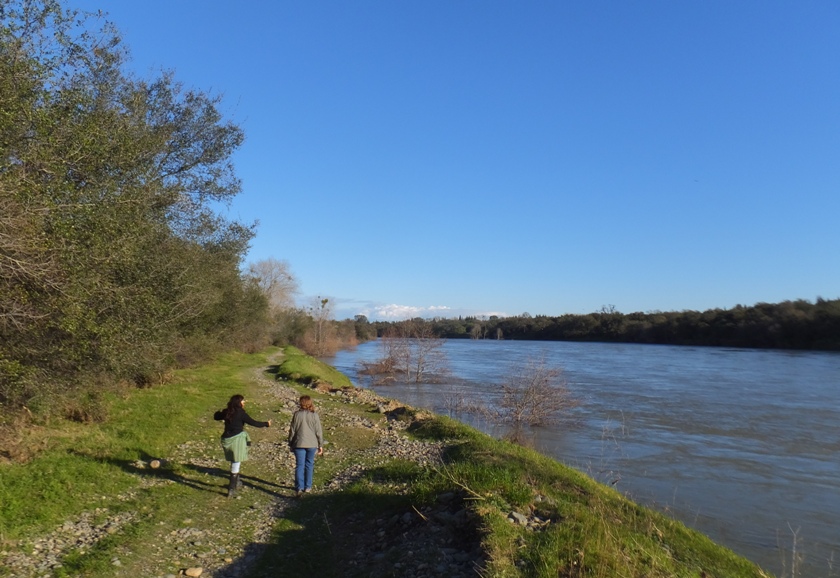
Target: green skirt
(236,447)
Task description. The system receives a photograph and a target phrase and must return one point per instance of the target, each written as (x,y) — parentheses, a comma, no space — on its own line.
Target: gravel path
(429,542)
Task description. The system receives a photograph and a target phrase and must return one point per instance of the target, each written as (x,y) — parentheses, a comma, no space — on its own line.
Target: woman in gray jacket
(306,440)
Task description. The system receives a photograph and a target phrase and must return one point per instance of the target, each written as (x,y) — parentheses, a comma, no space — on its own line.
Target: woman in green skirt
(235,440)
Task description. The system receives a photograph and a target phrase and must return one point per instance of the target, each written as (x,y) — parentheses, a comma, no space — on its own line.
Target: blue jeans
(304,464)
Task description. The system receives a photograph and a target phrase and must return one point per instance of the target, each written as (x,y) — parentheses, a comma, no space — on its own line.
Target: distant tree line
(798,324)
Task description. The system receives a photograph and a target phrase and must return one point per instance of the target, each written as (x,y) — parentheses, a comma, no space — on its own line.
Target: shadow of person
(142,467)
(204,478)
(248,481)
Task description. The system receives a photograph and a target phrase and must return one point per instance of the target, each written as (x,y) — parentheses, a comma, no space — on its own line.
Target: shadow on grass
(218,483)
(357,532)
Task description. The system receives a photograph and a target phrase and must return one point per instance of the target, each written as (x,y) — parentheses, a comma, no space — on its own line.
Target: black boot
(234,485)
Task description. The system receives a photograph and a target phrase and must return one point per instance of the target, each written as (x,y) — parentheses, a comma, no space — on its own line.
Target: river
(741,444)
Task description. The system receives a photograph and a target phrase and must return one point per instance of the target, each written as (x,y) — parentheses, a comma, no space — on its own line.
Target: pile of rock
(439,540)
(76,535)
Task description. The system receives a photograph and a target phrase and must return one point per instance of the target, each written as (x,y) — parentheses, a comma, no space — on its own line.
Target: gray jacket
(305,431)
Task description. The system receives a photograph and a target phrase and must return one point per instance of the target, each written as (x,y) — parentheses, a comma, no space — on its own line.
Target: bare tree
(411,352)
(320,340)
(276,281)
(428,361)
(534,394)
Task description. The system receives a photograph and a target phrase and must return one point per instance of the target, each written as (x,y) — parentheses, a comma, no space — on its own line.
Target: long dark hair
(234,404)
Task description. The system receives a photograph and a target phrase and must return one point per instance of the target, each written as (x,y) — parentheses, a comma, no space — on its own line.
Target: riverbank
(398,493)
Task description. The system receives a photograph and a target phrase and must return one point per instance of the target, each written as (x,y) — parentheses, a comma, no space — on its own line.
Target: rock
(412,541)
(518,518)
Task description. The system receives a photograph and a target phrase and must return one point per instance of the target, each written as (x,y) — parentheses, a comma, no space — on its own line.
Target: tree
(111,253)
(534,394)
(276,281)
(426,359)
(411,352)
(320,339)
(364,330)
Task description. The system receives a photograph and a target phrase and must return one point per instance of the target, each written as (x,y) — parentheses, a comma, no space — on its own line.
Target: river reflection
(743,445)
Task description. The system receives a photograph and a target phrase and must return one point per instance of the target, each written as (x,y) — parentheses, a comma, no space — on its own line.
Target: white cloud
(490,314)
(396,312)
(349,308)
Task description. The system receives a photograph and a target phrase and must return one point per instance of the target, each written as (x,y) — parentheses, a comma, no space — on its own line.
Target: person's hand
(269,423)
(320,451)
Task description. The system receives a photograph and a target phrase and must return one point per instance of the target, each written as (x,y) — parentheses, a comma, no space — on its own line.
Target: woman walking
(235,440)
(306,440)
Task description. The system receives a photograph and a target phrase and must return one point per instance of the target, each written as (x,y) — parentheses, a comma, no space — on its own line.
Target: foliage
(363,328)
(77,462)
(534,394)
(275,280)
(321,340)
(411,352)
(111,256)
(587,529)
(316,332)
(299,367)
(796,324)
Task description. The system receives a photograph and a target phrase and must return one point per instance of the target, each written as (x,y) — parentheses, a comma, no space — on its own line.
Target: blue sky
(486,157)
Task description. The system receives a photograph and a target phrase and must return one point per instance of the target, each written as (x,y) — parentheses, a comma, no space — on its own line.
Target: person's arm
(293,430)
(319,434)
(250,421)
(219,415)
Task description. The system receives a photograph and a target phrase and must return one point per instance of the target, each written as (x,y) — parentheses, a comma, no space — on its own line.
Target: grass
(593,530)
(82,462)
(301,368)
(587,529)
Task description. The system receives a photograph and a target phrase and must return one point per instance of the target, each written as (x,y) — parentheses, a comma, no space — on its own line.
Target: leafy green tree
(363,329)
(110,251)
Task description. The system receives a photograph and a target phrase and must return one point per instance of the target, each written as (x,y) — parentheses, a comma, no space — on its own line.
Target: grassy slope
(591,531)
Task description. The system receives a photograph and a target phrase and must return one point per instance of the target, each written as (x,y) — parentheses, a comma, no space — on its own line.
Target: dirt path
(224,537)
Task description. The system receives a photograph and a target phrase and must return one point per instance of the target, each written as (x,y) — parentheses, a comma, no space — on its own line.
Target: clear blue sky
(469,157)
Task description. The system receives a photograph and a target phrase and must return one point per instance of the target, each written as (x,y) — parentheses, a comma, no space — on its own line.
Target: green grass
(86,461)
(592,530)
(301,368)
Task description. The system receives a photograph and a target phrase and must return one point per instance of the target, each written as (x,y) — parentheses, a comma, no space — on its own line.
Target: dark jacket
(236,424)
